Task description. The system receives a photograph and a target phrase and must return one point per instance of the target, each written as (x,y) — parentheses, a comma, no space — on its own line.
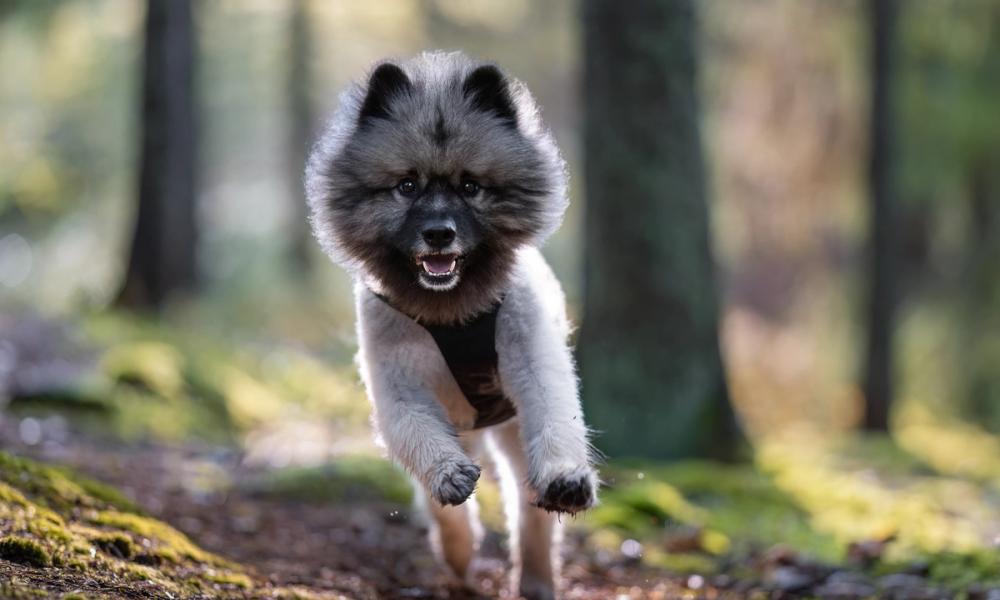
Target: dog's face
(437,184)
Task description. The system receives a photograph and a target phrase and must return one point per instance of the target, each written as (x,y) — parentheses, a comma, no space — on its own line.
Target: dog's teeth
(437,272)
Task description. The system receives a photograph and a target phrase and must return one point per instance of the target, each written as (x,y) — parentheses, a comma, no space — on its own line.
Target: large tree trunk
(878,377)
(163,255)
(653,380)
(303,120)
(980,301)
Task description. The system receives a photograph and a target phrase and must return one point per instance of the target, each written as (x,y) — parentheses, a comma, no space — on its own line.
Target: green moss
(229,578)
(647,503)
(682,562)
(959,570)
(813,494)
(849,499)
(348,479)
(174,383)
(88,398)
(949,446)
(87,533)
(134,572)
(54,487)
(49,526)
(24,551)
(171,544)
(862,488)
(118,545)
(734,507)
(21,590)
(11,496)
(300,593)
(150,365)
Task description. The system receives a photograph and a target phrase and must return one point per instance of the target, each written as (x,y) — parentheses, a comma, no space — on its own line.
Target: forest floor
(282,545)
(219,479)
(303,549)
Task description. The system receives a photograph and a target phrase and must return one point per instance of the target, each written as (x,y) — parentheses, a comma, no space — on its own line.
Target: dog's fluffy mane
(525,150)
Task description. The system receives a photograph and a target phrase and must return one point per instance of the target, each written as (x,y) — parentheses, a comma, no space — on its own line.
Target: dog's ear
(387,82)
(488,90)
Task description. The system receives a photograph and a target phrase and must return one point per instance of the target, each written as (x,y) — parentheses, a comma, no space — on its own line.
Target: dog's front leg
(410,387)
(419,438)
(536,370)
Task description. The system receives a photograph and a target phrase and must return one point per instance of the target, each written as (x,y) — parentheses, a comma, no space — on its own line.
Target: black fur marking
(567,495)
(485,267)
(386,83)
(440,134)
(488,91)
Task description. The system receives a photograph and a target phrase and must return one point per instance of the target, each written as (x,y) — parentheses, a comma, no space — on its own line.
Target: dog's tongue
(439,264)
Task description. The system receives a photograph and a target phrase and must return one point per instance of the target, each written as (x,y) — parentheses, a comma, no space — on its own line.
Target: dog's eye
(407,187)
(470,188)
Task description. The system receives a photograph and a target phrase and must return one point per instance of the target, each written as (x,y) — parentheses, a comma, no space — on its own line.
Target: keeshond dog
(434,185)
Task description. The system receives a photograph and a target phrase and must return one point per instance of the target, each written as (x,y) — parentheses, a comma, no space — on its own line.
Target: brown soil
(363,551)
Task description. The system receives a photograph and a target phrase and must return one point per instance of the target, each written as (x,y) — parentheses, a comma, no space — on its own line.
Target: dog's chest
(470,351)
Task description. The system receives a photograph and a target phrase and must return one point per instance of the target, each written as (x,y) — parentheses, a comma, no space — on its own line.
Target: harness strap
(469,349)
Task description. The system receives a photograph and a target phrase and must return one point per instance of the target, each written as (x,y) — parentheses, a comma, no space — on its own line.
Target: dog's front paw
(453,481)
(570,492)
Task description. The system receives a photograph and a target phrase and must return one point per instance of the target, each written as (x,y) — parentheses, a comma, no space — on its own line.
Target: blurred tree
(949,165)
(878,376)
(653,379)
(163,255)
(302,116)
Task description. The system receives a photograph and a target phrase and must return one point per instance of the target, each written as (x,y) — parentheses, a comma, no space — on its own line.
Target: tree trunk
(980,301)
(878,378)
(653,379)
(302,119)
(163,255)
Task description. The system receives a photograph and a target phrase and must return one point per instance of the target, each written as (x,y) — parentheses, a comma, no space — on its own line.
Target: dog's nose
(439,235)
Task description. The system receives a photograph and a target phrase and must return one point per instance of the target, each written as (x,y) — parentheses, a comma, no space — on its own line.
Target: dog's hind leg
(535,535)
(455,531)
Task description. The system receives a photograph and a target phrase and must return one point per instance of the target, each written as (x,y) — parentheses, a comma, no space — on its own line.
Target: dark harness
(470,351)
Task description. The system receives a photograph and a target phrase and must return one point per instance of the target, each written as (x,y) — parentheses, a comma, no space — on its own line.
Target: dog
(434,185)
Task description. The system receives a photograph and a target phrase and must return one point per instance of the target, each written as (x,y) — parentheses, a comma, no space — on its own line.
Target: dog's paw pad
(454,482)
(569,493)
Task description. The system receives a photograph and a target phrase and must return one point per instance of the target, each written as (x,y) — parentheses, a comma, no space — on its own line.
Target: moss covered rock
(817,496)
(25,551)
(62,534)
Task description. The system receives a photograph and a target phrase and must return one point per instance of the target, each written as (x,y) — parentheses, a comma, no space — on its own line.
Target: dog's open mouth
(439,271)
(439,265)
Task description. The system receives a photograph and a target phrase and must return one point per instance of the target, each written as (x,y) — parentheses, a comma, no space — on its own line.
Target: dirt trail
(364,551)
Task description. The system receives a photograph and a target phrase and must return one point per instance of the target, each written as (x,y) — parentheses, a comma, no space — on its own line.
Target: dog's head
(432,174)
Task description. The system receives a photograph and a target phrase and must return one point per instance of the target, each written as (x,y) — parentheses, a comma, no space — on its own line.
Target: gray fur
(438,120)
(435,131)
